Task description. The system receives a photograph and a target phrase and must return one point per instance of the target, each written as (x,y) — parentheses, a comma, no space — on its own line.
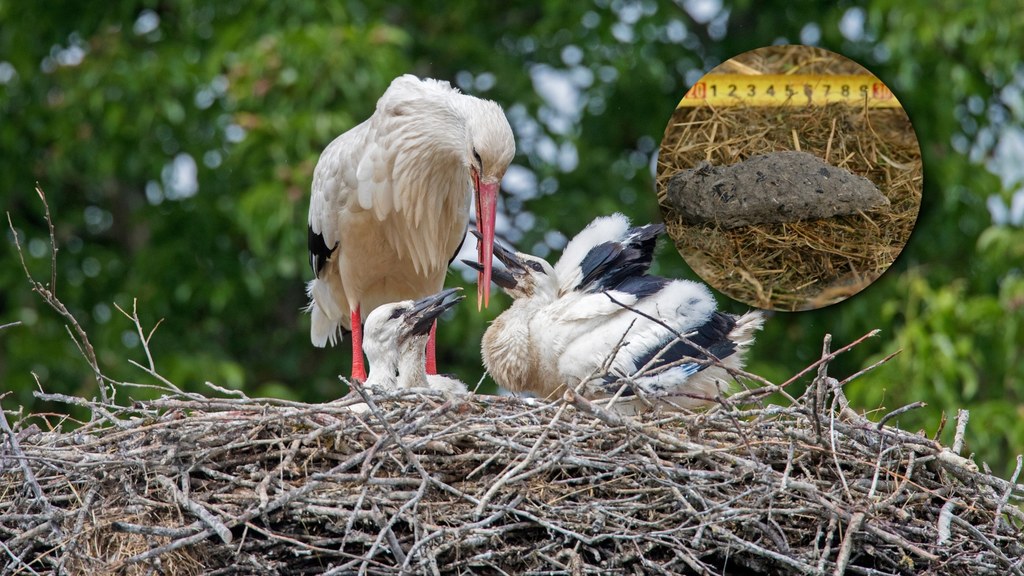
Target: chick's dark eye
(397,312)
(536,267)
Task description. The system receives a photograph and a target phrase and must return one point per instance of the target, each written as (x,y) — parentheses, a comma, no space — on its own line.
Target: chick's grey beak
(499,276)
(504,255)
(513,266)
(425,310)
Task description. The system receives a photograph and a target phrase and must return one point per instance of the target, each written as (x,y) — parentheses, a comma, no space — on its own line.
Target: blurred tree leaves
(176,143)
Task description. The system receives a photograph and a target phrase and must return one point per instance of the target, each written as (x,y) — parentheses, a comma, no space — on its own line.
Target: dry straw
(809,264)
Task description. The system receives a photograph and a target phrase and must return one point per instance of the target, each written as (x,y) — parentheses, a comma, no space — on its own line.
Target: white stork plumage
(395,338)
(597,317)
(390,204)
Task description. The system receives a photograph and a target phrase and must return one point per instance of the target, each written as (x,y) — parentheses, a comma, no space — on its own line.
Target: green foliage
(958,350)
(104,99)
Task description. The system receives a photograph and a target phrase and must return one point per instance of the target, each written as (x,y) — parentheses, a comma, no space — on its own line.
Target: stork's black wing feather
(597,263)
(712,336)
(319,252)
(609,264)
(641,286)
(645,240)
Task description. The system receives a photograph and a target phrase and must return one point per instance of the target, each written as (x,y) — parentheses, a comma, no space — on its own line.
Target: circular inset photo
(789,178)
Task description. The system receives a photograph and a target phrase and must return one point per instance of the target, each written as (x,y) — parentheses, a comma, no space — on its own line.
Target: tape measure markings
(789,90)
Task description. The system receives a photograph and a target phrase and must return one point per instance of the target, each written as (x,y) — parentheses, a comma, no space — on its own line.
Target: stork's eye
(479,161)
(536,267)
(397,312)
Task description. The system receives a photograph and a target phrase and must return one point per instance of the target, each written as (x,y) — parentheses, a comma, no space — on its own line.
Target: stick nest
(420,483)
(808,264)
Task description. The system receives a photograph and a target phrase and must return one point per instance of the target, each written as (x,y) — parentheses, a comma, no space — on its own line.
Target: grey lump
(770,188)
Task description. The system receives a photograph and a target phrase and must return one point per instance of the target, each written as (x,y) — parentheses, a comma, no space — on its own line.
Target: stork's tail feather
(743,332)
(699,388)
(326,323)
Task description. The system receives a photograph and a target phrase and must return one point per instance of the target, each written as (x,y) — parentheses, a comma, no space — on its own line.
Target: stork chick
(596,317)
(390,205)
(396,334)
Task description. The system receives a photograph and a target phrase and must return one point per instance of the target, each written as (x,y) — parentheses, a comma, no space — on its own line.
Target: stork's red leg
(358,368)
(432,350)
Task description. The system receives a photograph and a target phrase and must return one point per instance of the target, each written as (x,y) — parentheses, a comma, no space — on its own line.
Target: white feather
(326,317)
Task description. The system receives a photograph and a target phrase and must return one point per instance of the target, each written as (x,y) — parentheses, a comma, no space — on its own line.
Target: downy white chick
(598,317)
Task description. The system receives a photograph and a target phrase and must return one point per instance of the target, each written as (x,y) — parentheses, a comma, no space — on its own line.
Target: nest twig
(420,483)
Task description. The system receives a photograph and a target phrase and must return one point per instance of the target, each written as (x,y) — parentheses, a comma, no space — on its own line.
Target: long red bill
(486,211)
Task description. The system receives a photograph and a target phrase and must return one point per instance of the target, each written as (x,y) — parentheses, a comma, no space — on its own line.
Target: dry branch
(48,292)
(429,484)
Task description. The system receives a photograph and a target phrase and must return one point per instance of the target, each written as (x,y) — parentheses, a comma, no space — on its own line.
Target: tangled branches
(427,484)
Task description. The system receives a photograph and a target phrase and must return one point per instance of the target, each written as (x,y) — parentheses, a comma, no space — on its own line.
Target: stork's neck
(507,349)
(432,185)
(437,176)
(434,147)
(411,364)
(383,369)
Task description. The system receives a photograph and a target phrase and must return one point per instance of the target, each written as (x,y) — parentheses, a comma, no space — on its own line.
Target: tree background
(176,142)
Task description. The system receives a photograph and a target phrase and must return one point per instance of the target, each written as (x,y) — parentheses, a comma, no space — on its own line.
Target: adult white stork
(597,317)
(394,343)
(390,204)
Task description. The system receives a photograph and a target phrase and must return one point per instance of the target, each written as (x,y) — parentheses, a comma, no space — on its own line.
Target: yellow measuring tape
(788,90)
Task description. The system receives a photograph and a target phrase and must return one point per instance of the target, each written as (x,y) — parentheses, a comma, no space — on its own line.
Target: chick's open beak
(425,310)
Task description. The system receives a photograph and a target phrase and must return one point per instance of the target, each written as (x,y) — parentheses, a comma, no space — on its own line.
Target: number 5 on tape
(788,90)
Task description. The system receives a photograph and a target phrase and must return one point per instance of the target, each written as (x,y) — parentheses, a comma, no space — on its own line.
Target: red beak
(486,210)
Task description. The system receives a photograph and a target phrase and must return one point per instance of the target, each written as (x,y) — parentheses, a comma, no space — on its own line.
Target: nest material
(427,484)
(809,264)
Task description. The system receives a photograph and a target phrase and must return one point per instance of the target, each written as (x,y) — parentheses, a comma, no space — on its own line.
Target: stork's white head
(492,147)
(524,275)
(395,331)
